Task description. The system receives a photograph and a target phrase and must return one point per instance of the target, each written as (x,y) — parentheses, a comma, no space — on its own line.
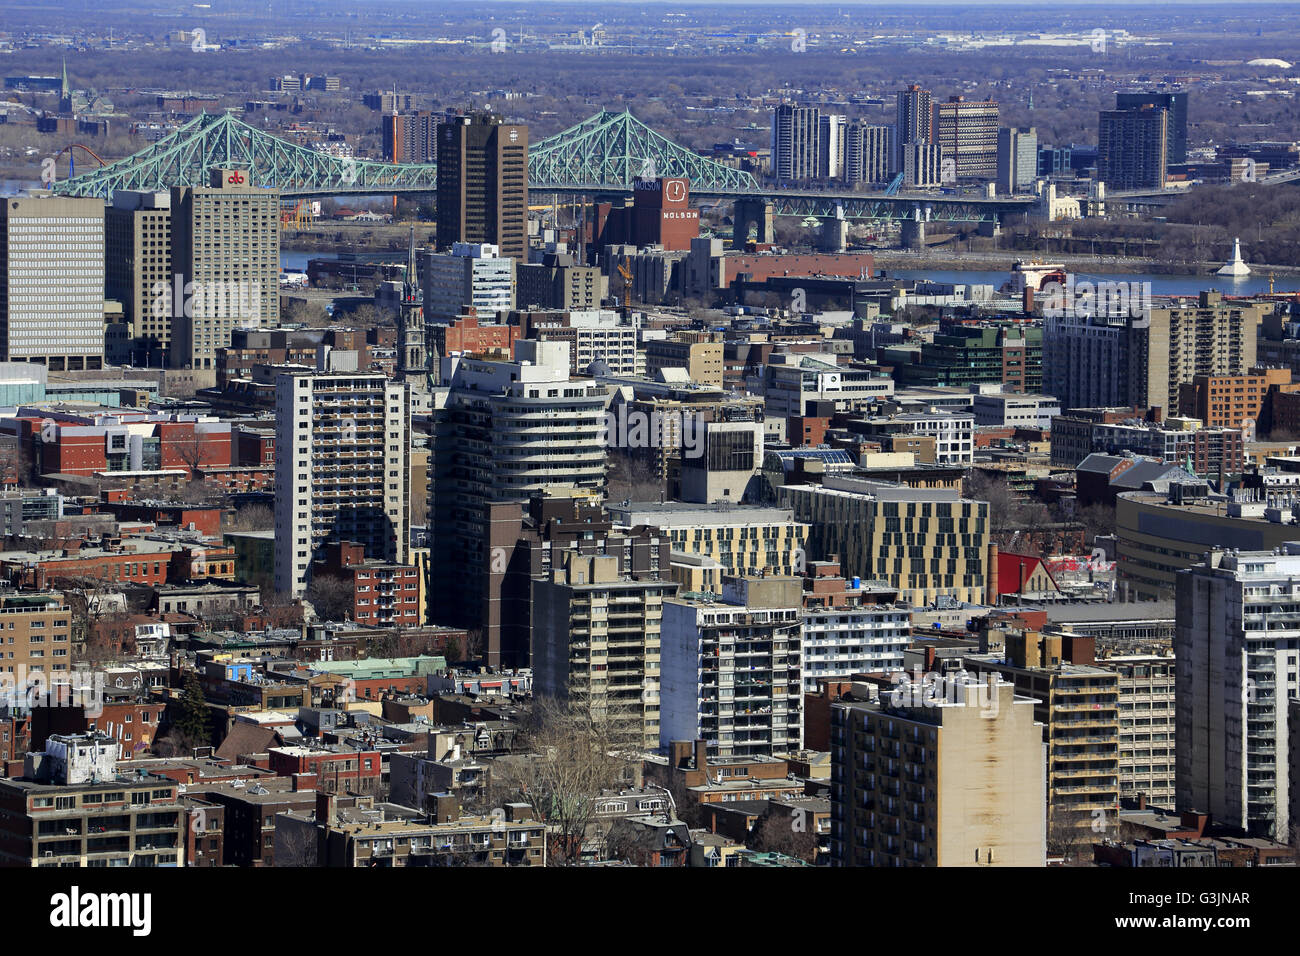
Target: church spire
(411,279)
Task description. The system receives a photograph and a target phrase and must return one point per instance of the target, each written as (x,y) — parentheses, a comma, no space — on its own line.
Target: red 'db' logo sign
(235,178)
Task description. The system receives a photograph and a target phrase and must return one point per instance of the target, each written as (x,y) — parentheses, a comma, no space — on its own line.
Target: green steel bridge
(599,158)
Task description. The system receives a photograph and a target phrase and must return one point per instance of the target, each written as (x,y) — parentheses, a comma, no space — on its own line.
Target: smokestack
(992,576)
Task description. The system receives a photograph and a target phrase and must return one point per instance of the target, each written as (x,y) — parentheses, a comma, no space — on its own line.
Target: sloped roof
(247,738)
(1013,568)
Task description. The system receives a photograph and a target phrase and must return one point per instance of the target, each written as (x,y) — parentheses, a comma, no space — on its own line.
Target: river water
(1160,284)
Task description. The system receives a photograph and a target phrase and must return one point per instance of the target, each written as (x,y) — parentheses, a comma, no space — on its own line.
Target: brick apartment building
(384,594)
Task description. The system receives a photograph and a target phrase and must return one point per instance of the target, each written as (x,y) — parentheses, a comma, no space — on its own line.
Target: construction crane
(626,273)
(892,188)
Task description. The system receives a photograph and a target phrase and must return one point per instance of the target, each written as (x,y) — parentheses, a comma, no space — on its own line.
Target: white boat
(1236,266)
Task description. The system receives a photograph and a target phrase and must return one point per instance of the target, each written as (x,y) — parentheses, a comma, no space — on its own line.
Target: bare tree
(249,518)
(779,832)
(1097,519)
(578,749)
(280,610)
(1070,833)
(631,478)
(419,511)
(192,451)
(299,312)
(1008,512)
(332,597)
(90,596)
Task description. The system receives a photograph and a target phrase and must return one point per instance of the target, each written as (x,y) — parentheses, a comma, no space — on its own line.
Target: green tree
(191,728)
(451,650)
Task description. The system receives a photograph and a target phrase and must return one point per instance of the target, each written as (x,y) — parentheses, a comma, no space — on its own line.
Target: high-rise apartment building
(922,165)
(138,269)
(410,137)
(596,641)
(796,135)
(471,274)
(1147,725)
(831,146)
(915,122)
(558,282)
(849,628)
(38,632)
(52,282)
(1237,645)
(502,432)
(1213,337)
(926,779)
(483,183)
(1173,103)
(868,154)
(702,360)
(1091,361)
(1017,159)
(968,132)
(1076,703)
(731,672)
(534,542)
(1144,357)
(1133,148)
(342,469)
(226,259)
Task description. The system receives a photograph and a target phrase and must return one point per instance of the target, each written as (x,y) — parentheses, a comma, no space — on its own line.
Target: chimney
(701,755)
(326,808)
(992,576)
(1195,820)
(446,808)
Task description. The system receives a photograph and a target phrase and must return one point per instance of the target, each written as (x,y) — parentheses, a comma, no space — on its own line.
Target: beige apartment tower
(1077,705)
(1212,337)
(595,640)
(701,360)
(226,260)
(52,282)
(957,779)
(37,631)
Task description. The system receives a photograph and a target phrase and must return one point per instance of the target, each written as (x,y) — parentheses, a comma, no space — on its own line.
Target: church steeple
(410,281)
(412,359)
(67,87)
